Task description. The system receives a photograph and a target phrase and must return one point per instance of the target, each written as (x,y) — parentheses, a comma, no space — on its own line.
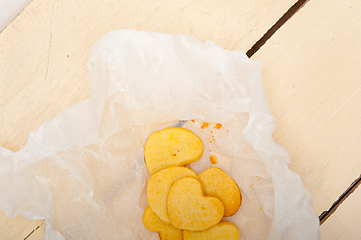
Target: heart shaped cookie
(217,183)
(222,231)
(166,231)
(171,147)
(189,209)
(159,185)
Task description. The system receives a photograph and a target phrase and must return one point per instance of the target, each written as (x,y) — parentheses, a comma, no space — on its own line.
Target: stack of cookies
(183,205)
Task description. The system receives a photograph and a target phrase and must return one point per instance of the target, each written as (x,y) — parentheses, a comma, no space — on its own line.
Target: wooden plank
(44,51)
(17,227)
(312,78)
(345,222)
(9,10)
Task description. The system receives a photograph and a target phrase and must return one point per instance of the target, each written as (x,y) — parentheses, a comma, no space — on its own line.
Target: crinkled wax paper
(84,172)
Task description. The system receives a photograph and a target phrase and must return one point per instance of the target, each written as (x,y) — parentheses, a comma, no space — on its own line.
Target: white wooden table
(311,74)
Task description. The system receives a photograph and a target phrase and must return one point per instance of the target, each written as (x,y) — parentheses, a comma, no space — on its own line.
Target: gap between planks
(326,214)
(34,230)
(290,12)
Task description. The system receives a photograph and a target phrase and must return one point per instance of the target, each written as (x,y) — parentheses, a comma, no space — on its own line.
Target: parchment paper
(84,170)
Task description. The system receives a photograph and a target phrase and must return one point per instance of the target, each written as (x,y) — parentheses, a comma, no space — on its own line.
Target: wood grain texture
(312,78)
(44,53)
(345,222)
(17,227)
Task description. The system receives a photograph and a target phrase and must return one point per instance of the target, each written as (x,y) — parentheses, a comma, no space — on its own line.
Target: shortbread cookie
(221,231)
(171,147)
(189,209)
(217,183)
(166,231)
(159,186)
